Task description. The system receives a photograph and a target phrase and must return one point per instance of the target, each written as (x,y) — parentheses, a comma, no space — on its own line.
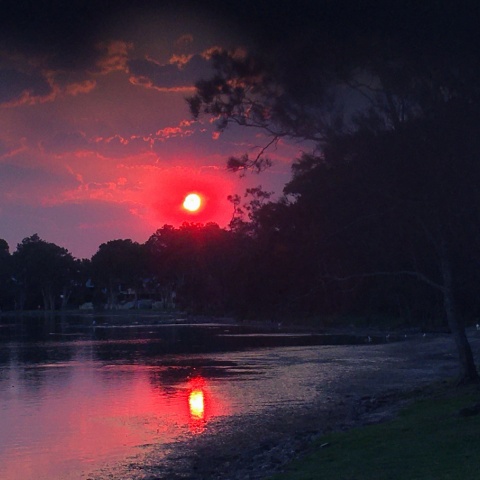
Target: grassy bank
(428,440)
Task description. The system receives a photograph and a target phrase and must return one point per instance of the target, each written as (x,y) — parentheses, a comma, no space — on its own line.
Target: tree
(119,264)
(43,272)
(195,262)
(6,273)
(391,103)
(407,200)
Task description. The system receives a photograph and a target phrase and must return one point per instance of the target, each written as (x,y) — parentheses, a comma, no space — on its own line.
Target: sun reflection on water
(196,405)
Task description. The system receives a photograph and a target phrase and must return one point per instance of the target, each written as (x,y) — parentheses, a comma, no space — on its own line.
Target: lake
(80,395)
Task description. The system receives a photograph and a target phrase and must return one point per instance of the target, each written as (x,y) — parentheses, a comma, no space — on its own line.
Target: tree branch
(418,275)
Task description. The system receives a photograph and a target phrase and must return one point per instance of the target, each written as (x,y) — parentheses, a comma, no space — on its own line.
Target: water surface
(82,394)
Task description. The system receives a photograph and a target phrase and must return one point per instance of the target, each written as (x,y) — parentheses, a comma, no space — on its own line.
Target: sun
(192,202)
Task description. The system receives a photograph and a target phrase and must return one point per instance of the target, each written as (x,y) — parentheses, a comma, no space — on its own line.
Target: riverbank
(436,437)
(261,445)
(335,325)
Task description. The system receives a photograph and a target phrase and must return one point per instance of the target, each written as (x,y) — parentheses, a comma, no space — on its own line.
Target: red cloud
(184,41)
(115,58)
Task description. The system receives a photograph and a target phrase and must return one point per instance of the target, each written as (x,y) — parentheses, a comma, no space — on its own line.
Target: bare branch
(418,275)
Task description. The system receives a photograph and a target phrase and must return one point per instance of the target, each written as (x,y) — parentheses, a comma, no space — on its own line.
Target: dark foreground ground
(256,447)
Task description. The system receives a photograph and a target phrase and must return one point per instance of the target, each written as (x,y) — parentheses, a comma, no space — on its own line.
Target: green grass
(426,441)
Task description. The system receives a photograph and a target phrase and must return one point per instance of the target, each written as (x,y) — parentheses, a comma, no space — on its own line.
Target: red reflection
(196,405)
(103,415)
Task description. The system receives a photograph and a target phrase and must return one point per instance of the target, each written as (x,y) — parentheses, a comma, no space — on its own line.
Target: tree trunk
(51,298)
(45,299)
(65,297)
(468,372)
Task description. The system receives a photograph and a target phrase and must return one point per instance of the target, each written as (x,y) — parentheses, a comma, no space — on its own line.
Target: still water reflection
(74,397)
(59,418)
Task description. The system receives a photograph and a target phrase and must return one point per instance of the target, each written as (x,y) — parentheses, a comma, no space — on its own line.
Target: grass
(428,440)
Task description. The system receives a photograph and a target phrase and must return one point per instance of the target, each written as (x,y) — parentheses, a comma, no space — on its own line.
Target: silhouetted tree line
(319,252)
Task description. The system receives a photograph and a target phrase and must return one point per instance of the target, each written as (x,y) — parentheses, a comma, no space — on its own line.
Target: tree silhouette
(117,265)
(392,112)
(43,272)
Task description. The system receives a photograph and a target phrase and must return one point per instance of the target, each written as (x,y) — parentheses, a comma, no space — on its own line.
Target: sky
(96,139)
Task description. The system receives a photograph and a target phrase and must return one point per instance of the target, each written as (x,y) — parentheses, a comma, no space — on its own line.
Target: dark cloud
(65,31)
(68,31)
(113,147)
(171,75)
(14,83)
(16,178)
(65,142)
(119,147)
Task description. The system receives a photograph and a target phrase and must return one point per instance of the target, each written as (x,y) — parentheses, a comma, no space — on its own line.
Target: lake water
(77,397)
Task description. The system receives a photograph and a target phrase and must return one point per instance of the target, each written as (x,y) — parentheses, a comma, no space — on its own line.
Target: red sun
(192,202)
(184,195)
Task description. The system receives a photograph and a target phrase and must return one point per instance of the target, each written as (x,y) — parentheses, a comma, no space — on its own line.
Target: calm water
(77,397)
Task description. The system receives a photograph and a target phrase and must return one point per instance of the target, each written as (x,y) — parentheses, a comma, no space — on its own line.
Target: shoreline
(121,316)
(264,444)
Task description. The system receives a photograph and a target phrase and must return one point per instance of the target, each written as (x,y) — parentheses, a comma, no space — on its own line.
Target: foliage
(117,265)
(193,261)
(6,270)
(43,272)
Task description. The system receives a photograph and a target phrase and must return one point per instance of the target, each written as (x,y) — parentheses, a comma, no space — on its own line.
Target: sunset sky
(96,140)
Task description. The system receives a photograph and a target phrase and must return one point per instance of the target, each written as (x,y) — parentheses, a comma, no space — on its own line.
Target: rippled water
(77,397)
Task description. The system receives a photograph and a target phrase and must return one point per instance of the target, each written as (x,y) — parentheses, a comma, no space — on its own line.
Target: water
(77,397)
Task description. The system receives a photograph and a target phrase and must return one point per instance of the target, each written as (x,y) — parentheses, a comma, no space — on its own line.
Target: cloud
(18,86)
(115,56)
(183,72)
(170,132)
(80,87)
(65,142)
(183,41)
(32,184)
(118,146)
(26,79)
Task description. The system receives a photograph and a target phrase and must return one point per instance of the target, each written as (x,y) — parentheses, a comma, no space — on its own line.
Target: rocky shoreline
(261,449)
(270,454)
(259,446)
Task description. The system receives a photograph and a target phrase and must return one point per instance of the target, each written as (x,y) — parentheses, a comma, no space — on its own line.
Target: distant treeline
(317,252)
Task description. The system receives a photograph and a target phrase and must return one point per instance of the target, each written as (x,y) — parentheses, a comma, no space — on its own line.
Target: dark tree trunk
(468,372)
(65,297)
(52,301)
(45,299)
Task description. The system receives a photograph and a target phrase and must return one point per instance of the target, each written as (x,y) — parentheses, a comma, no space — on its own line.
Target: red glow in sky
(106,148)
(166,194)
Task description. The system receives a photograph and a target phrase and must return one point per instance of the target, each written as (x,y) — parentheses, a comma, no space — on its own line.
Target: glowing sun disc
(192,202)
